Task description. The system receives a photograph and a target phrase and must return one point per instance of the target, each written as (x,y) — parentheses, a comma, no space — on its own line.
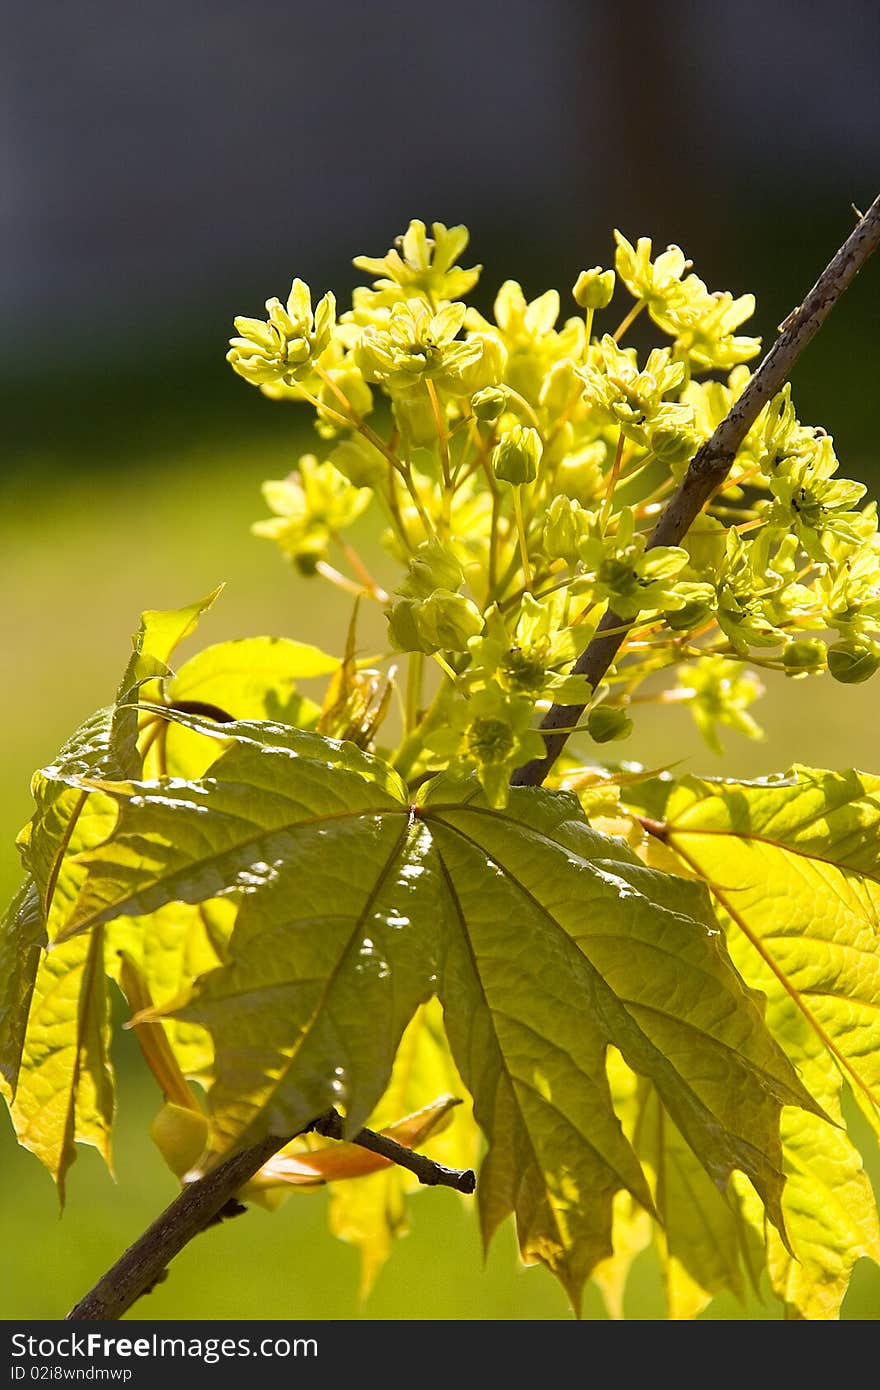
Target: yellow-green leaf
(170,948)
(828,1202)
(180,840)
(55,1019)
(546,943)
(65,1087)
(795,867)
(252,678)
(22,934)
(702,1236)
(160,633)
(560,944)
(371,1212)
(632,1226)
(332,949)
(68,819)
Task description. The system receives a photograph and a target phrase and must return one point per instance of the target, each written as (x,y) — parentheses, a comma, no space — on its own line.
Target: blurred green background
(172,169)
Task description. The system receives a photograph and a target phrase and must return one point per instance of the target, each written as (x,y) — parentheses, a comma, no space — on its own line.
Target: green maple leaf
(794,866)
(55,1022)
(65,1090)
(567,944)
(22,934)
(703,1237)
(251,678)
(371,1212)
(545,942)
(797,867)
(326,856)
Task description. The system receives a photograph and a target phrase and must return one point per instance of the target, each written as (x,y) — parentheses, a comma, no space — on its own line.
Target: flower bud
(446,620)
(606,724)
(673,445)
(853,662)
(432,566)
(403,630)
(804,656)
(517,454)
(594,288)
(489,404)
(564,524)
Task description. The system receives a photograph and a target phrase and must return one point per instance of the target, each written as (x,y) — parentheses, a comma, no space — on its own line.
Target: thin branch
(429,1173)
(711,465)
(144,1263)
(202,1202)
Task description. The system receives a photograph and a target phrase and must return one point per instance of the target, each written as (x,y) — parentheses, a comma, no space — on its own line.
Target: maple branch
(144,1263)
(204,1201)
(428,1172)
(710,467)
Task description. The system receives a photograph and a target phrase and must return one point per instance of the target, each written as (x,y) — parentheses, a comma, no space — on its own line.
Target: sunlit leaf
(632,1226)
(160,633)
(65,1088)
(372,1213)
(334,931)
(702,1234)
(546,942)
(171,947)
(252,678)
(561,943)
(702,1240)
(22,934)
(67,818)
(793,865)
(57,1023)
(176,838)
(796,865)
(828,1202)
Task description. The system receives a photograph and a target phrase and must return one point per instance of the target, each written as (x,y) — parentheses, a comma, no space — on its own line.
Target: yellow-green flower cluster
(283,348)
(702,323)
(519,459)
(312,506)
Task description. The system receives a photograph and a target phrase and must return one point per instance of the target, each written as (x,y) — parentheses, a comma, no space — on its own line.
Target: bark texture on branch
(200,1203)
(145,1262)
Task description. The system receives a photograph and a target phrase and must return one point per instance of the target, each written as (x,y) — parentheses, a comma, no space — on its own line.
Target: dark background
(169,164)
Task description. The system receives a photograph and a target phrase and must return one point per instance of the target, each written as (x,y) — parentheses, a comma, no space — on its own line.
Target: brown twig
(144,1263)
(710,467)
(202,1202)
(429,1173)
